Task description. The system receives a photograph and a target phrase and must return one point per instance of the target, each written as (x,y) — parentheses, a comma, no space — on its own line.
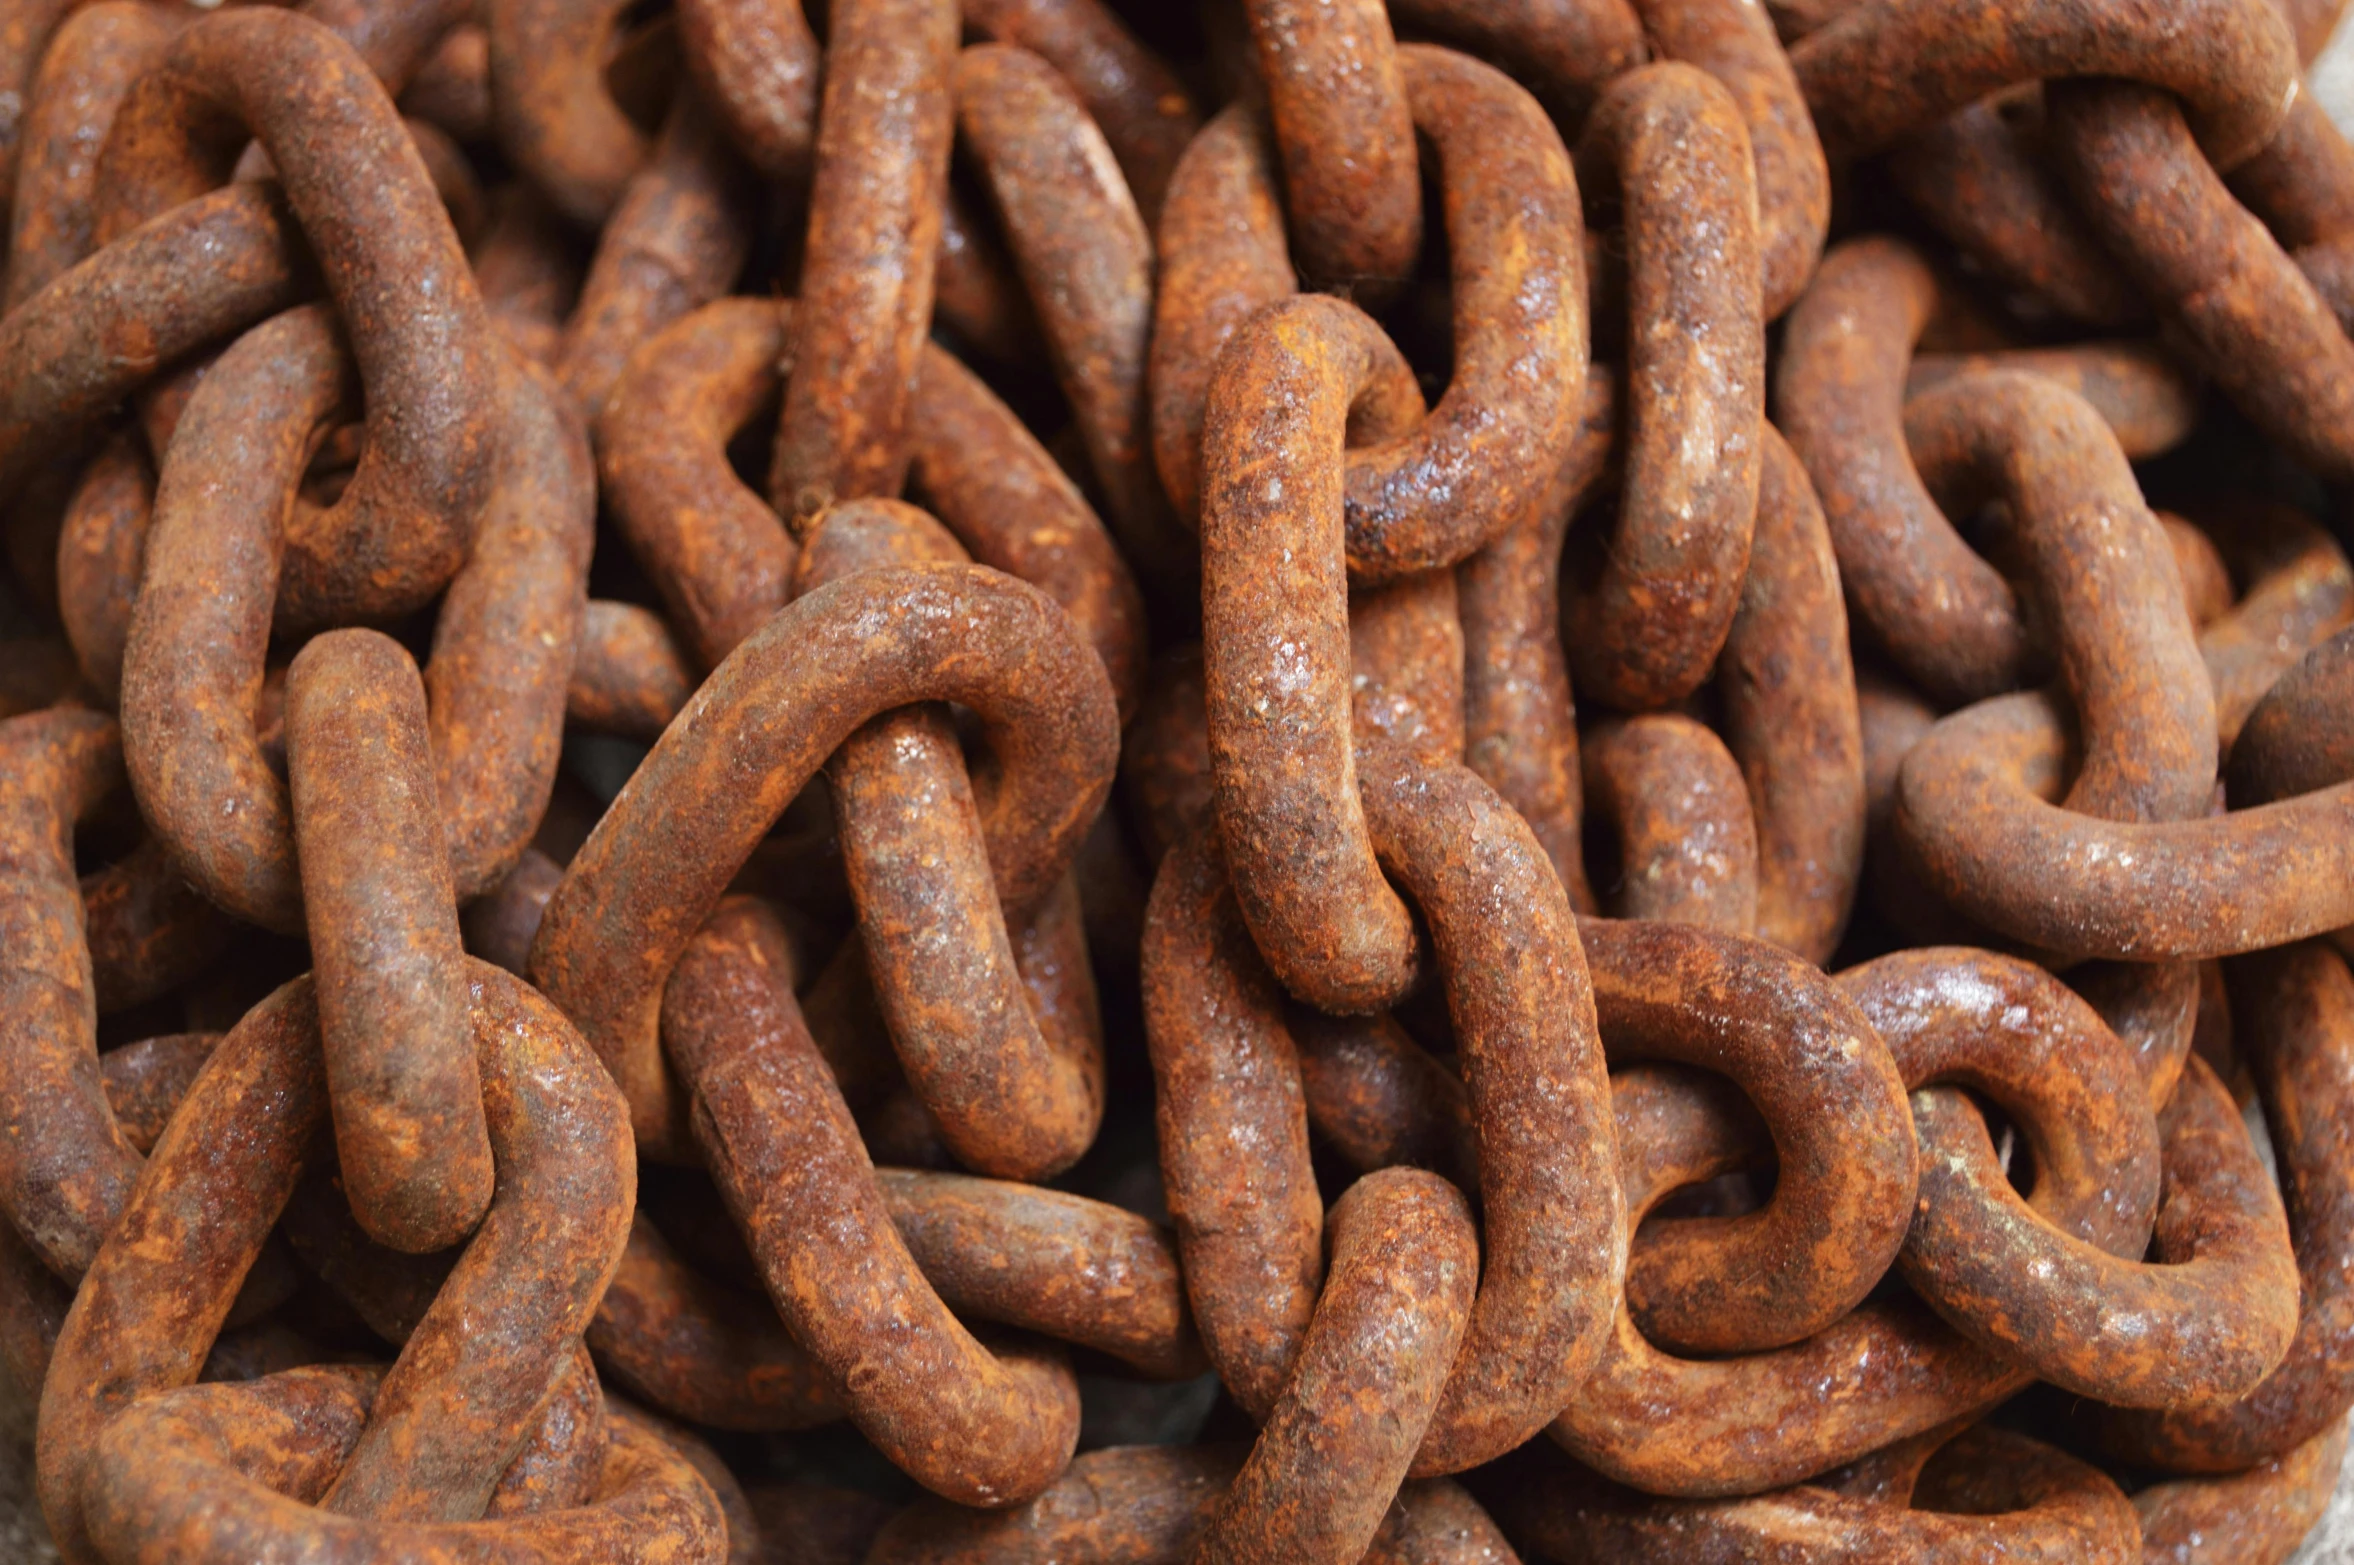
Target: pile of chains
(1062,780)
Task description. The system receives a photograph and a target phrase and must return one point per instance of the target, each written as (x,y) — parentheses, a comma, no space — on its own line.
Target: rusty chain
(1023,780)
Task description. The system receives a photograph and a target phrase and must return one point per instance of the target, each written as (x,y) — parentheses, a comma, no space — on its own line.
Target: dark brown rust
(981,471)
(1420,493)
(1431,494)
(675,242)
(100,549)
(502,644)
(1975,803)
(1337,99)
(145,1081)
(1222,257)
(1835,1106)
(1275,647)
(25,33)
(1007,1060)
(200,627)
(2022,1277)
(504,640)
(1142,107)
(1338,1441)
(980,1427)
(1225,1071)
(1519,720)
(529,270)
(500,924)
(2299,591)
(759,64)
(1651,592)
(216,1474)
(701,1350)
(1983,179)
(383,927)
(1672,798)
(1165,756)
(1989,1494)
(1786,683)
(1878,71)
(1086,261)
(783,701)
(401,284)
(720,557)
(631,676)
(2148,402)
(555,116)
(1734,41)
(975,294)
(1946,617)
(457,1405)
(2102,575)
(1886,1371)
(1380,1100)
(98,51)
(2209,1321)
(2293,1009)
(1057,1264)
(1517,995)
(724,562)
(1147,1505)
(2238,303)
(2297,738)
(451,87)
(1406,667)
(883,132)
(1567,51)
(2259,1516)
(65,1168)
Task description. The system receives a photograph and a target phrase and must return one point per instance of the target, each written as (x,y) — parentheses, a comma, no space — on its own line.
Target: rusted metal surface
(1845,1187)
(981,1427)
(1275,647)
(1086,262)
(1555,1232)
(675,242)
(400,529)
(1670,795)
(454,1410)
(63,1188)
(1988,1493)
(1981,178)
(1792,718)
(1659,587)
(944,385)
(1338,1439)
(1948,619)
(881,172)
(2260,1514)
(213,1473)
(649,873)
(1734,42)
(2292,1007)
(555,115)
(96,54)
(383,927)
(1877,71)
(1007,1062)
(1345,137)
(2250,317)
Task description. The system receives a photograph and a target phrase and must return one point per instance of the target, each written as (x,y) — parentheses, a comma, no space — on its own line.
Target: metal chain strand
(965,782)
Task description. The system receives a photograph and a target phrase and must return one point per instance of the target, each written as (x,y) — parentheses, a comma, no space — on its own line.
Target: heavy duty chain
(1074,780)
